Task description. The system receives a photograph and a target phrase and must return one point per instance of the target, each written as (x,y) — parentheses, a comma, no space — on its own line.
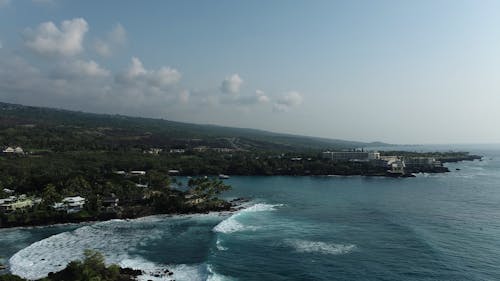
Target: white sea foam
(115,239)
(232,224)
(306,246)
(219,246)
(214,276)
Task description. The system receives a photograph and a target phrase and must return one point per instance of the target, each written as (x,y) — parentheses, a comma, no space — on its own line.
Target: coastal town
(121,192)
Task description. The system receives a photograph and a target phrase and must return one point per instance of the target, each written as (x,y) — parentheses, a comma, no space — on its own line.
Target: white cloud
(288,101)
(231,84)
(48,39)
(115,39)
(80,68)
(85,85)
(261,97)
(136,68)
(163,77)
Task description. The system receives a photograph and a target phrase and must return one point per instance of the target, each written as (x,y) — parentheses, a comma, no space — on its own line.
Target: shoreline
(236,205)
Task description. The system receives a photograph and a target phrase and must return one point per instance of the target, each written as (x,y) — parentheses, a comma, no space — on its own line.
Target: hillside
(62,130)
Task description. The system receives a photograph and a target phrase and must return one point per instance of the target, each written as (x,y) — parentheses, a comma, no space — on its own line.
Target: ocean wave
(214,276)
(116,239)
(306,246)
(219,246)
(232,224)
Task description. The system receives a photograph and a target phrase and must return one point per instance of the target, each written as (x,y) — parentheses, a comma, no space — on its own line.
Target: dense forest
(63,130)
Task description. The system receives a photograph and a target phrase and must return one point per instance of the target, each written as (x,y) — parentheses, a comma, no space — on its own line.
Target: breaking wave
(116,239)
(306,246)
(232,224)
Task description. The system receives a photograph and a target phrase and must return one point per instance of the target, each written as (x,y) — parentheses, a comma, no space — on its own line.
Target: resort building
(351,155)
(422,162)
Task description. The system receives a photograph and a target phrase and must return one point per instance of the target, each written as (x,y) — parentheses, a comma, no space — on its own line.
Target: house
(397,167)
(9,191)
(122,173)
(141,185)
(193,199)
(8,150)
(200,148)
(177,150)
(138,173)
(72,204)
(17,150)
(173,172)
(154,151)
(13,203)
(110,203)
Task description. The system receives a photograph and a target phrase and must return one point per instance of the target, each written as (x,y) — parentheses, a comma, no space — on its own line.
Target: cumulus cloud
(116,38)
(85,85)
(81,68)
(288,101)
(136,73)
(261,97)
(231,84)
(66,40)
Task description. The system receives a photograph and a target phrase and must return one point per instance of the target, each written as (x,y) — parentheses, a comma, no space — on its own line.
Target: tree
(50,195)
(207,188)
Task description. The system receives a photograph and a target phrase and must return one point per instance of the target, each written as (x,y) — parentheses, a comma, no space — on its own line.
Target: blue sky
(394,71)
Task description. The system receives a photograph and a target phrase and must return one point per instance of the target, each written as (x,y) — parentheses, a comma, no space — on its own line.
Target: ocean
(431,227)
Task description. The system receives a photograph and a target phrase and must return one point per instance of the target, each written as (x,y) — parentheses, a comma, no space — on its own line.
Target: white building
(351,155)
(70,204)
(177,150)
(17,150)
(138,173)
(422,162)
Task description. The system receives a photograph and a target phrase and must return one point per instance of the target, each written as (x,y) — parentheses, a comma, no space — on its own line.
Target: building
(174,172)
(10,150)
(154,151)
(177,150)
(122,173)
(397,167)
(13,203)
(351,155)
(417,162)
(110,202)
(138,173)
(72,204)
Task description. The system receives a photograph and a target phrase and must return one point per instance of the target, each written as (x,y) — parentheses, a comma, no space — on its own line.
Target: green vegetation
(44,130)
(91,268)
(69,153)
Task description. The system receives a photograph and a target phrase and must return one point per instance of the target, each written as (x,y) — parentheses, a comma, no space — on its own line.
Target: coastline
(235,205)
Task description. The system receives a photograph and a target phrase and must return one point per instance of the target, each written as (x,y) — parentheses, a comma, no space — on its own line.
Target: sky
(398,71)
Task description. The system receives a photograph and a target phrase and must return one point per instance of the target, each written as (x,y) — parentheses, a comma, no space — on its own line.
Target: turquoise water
(432,227)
